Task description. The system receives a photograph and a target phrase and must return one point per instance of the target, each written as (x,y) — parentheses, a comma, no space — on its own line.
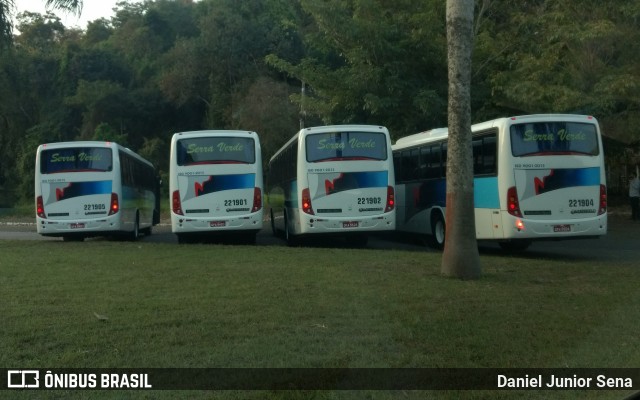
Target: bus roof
(61,145)
(331,128)
(214,132)
(443,133)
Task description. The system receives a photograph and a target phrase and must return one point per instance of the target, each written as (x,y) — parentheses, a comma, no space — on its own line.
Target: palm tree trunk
(460,258)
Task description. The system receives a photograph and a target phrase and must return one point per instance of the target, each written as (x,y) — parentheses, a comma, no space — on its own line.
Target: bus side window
(476,144)
(489,151)
(397,166)
(433,170)
(443,160)
(484,155)
(406,165)
(415,164)
(425,155)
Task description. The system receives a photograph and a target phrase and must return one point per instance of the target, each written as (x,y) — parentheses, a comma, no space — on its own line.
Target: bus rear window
(216,150)
(554,138)
(338,146)
(76,159)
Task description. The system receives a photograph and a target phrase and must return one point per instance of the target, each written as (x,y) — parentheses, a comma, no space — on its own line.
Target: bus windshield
(339,146)
(554,138)
(216,150)
(76,159)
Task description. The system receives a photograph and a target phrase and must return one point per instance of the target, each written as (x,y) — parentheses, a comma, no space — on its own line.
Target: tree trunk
(460,258)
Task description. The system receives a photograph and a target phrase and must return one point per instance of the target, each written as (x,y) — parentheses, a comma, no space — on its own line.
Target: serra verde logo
(353,143)
(56,157)
(221,147)
(563,135)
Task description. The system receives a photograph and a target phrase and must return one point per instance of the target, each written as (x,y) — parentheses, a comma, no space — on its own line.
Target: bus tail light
(513,206)
(391,199)
(40,207)
(257,200)
(602,208)
(176,205)
(115,205)
(306,202)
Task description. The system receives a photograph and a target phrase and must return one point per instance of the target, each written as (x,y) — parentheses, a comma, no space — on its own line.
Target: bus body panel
(558,195)
(348,195)
(217,196)
(568,193)
(77,198)
(77,202)
(416,202)
(359,193)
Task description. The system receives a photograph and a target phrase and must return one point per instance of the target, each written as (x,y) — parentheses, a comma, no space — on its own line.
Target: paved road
(622,242)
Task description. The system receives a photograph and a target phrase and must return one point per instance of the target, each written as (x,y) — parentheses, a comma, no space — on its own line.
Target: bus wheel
(291,239)
(515,245)
(273,225)
(135,235)
(438,230)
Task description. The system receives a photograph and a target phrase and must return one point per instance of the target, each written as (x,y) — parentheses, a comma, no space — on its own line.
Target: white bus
(92,188)
(215,184)
(536,177)
(333,180)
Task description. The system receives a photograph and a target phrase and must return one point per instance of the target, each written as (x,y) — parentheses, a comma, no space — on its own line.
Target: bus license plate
(350,224)
(562,228)
(217,224)
(79,225)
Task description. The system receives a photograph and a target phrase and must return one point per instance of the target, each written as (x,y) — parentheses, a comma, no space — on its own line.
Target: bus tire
(438,231)
(147,231)
(291,239)
(273,224)
(135,234)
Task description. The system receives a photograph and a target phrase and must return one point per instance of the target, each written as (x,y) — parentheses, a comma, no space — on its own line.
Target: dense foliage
(164,66)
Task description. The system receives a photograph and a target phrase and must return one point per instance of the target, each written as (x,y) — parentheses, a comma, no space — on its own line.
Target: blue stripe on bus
(218,183)
(485,192)
(568,177)
(434,193)
(352,180)
(371,179)
(77,189)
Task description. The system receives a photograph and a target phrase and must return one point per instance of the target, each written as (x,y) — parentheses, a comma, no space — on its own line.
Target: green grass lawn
(103,304)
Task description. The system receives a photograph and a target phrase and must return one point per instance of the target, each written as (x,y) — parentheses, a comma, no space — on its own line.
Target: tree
(361,59)
(460,258)
(7,6)
(590,66)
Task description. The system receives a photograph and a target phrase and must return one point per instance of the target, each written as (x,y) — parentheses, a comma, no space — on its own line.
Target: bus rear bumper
(182,224)
(521,228)
(378,223)
(82,227)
